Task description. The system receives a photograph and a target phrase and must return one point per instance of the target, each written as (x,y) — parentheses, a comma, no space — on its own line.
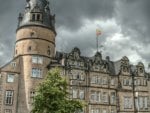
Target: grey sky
(124,23)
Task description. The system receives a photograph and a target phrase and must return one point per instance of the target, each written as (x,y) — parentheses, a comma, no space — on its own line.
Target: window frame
(9,97)
(10,74)
(9,111)
(36,73)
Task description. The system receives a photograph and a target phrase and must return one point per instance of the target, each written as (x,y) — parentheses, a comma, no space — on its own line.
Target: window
(127,102)
(10,78)
(74,76)
(82,77)
(125,69)
(37,59)
(33,17)
(13,64)
(38,17)
(95,96)
(104,111)
(75,93)
(95,110)
(36,73)
(105,97)
(138,82)
(9,97)
(8,111)
(32,94)
(48,52)
(143,102)
(105,81)
(93,80)
(145,82)
(81,94)
(127,82)
(141,70)
(112,81)
(29,48)
(112,111)
(113,97)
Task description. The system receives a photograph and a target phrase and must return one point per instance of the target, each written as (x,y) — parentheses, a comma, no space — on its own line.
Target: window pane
(40,60)
(36,72)
(8,111)
(34,59)
(9,97)
(74,93)
(10,78)
(146,102)
(81,94)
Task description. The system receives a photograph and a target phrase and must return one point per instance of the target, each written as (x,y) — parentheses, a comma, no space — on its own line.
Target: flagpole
(98,33)
(97,42)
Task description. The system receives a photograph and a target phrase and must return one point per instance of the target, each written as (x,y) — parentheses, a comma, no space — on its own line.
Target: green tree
(52,96)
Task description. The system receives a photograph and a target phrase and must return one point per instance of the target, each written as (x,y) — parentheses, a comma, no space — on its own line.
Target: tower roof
(37,12)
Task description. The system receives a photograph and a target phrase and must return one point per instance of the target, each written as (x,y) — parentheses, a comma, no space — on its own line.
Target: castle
(106,86)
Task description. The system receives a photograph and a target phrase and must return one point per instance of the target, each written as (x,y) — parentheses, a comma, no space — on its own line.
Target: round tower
(36,30)
(35,45)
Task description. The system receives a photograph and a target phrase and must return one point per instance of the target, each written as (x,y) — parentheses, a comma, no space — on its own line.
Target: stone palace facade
(106,86)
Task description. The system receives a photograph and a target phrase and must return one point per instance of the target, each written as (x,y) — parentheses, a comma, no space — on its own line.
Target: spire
(37,12)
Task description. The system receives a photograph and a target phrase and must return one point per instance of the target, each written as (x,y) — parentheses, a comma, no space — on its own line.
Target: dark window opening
(38,17)
(141,70)
(48,52)
(29,48)
(32,34)
(33,17)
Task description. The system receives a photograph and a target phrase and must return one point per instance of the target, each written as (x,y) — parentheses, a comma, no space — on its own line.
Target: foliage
(52,96)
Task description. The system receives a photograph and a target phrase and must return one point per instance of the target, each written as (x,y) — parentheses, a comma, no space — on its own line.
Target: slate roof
(37,6)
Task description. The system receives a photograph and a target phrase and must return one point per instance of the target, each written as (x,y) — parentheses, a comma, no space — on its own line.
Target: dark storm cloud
(130,17)
(134,16)
(9,10)
(70,13)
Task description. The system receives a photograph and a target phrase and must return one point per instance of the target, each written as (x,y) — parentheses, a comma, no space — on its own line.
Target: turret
(36,30)
(37,12)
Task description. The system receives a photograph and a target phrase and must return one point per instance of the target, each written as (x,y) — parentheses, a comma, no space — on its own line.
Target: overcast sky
(124,24)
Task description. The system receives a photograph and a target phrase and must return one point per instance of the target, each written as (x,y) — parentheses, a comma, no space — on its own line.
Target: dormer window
(36,17)
(33,17)
(141,70)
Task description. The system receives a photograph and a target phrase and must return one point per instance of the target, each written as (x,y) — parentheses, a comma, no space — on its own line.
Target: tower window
(29,48)
(36,17)
(9,97)
(36,73)
(37,59)
(48,52)
(10,78)
(33,17)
